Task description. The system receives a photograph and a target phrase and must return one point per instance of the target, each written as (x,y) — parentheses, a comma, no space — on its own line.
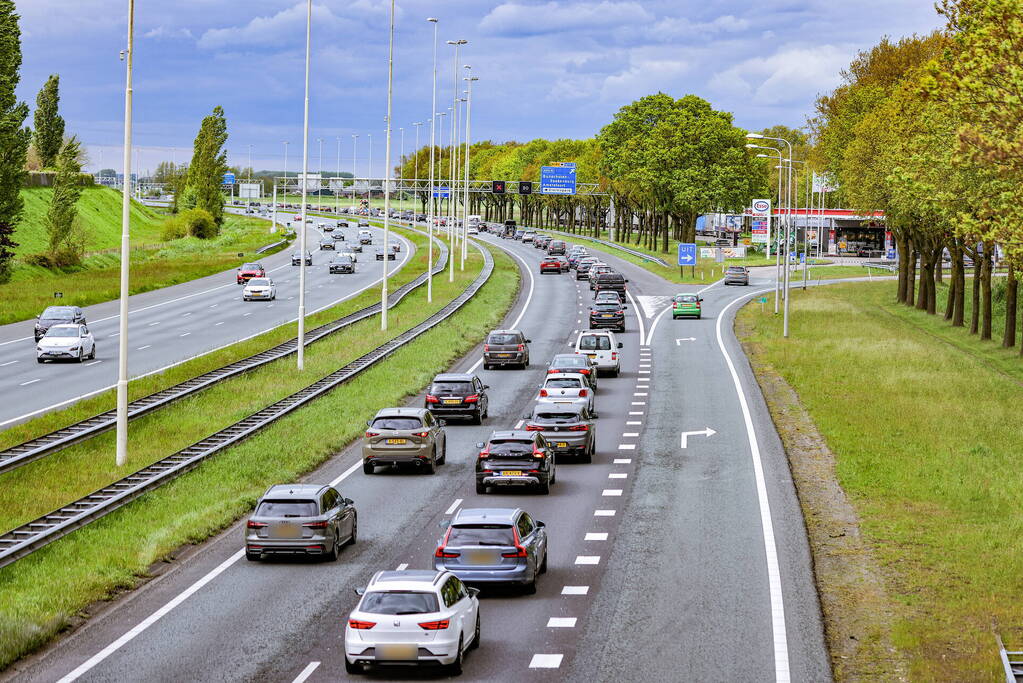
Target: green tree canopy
(209,162)
(14,137)
(48,136)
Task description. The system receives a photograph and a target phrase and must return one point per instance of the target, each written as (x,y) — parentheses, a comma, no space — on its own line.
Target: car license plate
(591,355)
(561,444)
(606,315)
(396,442)
(397,651)
(287,530)
(480,557)
(511,473)
(504,355)
(452,401)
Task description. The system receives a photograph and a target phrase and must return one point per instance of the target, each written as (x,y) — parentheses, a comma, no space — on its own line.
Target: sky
(546,68)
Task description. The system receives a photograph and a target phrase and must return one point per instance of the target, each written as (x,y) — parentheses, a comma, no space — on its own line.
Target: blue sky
(547,68)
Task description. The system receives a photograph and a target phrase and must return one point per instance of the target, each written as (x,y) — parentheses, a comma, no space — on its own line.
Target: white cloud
(515,19)
(790,74)
(670,28)
(643,77)
(161,32)
(283,27)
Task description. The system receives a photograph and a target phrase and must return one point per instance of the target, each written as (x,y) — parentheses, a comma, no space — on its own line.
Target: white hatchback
(568,388)
(413,617)
(602,348)
(66,342)
(260,289)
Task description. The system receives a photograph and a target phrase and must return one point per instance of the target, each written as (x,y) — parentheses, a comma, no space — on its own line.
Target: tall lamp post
(387,171)
(337,181)
(433,189)
(122,353)
(468,121)
(401,173)
(369,181)
(305,186)
(355,172)
(454,132)
(788,225)
(777,253)
(415,173)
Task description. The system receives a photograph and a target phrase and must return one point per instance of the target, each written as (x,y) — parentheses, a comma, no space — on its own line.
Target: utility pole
(387,171)
(305,186)
(122,356)
(465,203)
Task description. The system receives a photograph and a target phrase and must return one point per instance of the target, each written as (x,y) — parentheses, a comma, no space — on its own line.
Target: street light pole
(415,174)
(355,172)
(369,181)
(387,171)
(305,185)
(777,252)
(122,356)
(337,181)
(465,203)
(401,174)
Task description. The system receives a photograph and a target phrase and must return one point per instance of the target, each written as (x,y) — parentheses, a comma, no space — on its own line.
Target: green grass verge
(43,593)
(32,288)
(924,423)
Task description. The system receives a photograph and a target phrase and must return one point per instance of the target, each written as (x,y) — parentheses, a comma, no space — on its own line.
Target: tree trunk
(933,264)
(911,275)
(985,323)
(975,312)
(1011,288)
(953,282)
(903,247)
(959,269)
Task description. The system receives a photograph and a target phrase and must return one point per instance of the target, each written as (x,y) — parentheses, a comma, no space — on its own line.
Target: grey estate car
(506,347)
(404,436)
(300,519)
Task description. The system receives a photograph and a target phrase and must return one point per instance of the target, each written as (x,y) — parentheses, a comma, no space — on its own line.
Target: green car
(685,305)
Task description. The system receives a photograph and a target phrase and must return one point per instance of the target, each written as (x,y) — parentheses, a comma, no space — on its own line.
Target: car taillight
(370,435)
(539,454)
(421,435)
(485,453)
(584,371)
(361,625)
(552,371)
(698,304)
(486,347)
(579,428)
(582,392)
(472,399)
(431,399)
(543,392)
(534,428)
(255,525)
(614,356)
(434,625)
(519,550)
(522,347)
(316,525)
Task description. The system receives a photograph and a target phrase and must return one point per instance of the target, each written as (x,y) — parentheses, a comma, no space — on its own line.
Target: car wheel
(530,588)
(431,466)
(368,468)
(481,489)
(617,371)
(332,555)
(477,417)
(543,565)
(355,531)
(487,366)
(476,636)
(40,360)
(81,355)
(544,488)
(252,557)
(455,668)
(92,354)
(443,455)
(587,456)
(352,668)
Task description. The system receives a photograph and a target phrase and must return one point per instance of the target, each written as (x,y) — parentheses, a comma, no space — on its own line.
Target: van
(601,347)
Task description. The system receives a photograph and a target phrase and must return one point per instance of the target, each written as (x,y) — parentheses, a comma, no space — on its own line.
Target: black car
(515,458)
(296,258)
(506,347)
(327,243)
(338,236)
(574,362)
(607,315)
(556,247)
(568,429)
(380,254)
(519,234)
(610,281)
(58,315)
(458,395)
(341,264)
(582,267)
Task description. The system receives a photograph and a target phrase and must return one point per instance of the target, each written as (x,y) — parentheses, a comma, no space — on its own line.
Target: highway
(174,324)
(679,554)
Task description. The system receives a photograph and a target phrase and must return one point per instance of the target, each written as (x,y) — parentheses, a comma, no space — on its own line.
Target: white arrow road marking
(678,342)
(652,304)
(703,432)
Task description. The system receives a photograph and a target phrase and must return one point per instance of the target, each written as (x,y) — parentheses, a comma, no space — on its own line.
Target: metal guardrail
(273,245)
(606,243)
(1012,662)
(890,267)
(28,538)
(47,444)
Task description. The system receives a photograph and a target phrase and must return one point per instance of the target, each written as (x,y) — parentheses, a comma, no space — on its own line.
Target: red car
(249,271)
(550,264)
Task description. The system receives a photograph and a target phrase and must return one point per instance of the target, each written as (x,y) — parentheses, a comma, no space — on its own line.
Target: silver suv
(301,519)
(404,436)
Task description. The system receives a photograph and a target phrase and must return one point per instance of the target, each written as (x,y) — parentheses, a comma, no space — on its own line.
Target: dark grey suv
(458,395)
(568,430)
(301,519)
(506,347)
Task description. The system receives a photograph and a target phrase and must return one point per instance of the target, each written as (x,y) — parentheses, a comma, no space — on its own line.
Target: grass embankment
(923,421)
(43,593)
(98,279)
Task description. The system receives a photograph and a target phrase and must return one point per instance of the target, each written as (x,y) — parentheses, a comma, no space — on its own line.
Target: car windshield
(397,423)
(555,418)
(342,259)
(516,447)
(593,342)
(58,313)
(503,339)
(259,282)
(252,266)
(456,388)
(399,602)
(481,534)
(287,508)
(685,298)
(572,361)
(564,383)
(62,331)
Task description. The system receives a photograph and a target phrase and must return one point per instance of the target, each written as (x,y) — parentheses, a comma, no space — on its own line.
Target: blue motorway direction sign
(228,179)
(441,192)
(686,254)
(557,179)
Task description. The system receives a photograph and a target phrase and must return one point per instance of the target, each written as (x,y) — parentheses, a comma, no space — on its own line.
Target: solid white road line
(454,506)
(31,381)
(10,362)
(306,672)
(596,536)
(575,590)
(561,622)
(781,649)
(545,661)
(639,316)
(587,559)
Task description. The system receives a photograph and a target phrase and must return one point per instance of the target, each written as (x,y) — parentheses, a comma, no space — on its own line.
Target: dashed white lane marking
(618,475)
(110,336)
(545,661)
(185,315)
(214,305)
(31,381)
(246,315)
(143,348)
(634,422)
(290,298)
(644,365)
(151,324)
(579,320)
(644,372)
(623,461)
(10,362)
(603,513)
(95,362)
(640,393)
(306,672)
(611,492)
(635,412)
(626,446)
(454,506)
(185,334)
(596,536)
(575,590)
(561,622)
(518,425)
(587,559)
(403,566)
(639,403)
(628,434)
(220,323)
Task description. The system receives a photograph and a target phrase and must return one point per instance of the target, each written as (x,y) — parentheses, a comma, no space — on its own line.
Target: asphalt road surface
(666,563)
(174,324)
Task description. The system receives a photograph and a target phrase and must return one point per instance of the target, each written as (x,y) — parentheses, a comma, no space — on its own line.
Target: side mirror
(529,341)
(701,298)
(442,422)
(369,423)
(626,279)
(486,386)
(620,345)
(349,501)
(473,592)
(360,591)
(444,524)
(540,524)
(480,445)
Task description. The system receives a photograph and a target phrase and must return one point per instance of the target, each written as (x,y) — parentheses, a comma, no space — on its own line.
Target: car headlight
(73,348)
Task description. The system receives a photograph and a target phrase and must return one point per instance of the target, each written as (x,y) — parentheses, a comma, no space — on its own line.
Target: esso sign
(761,207)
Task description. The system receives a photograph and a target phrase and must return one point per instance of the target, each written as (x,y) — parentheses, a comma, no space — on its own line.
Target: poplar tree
(49,125)
(67,243)
(209,163)
(14,137)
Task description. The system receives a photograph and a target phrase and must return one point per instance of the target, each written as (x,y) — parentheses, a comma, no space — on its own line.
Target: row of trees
(928,130)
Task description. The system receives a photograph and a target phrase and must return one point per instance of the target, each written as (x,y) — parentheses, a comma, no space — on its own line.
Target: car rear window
(397,423)
(456,388)
(555,418)
(399,602)
(503,339)
(287,508)
(58,313)
(570,362)
(510,447)
(564,383)
(736,269)
(686,298)
(481,534)
(593,342)
(259,282)
(608,306)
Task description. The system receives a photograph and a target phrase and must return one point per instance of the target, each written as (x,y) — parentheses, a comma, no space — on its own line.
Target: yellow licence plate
(511,473)
(606,315)
(397,651)
(561,444)
(452,401)
(591,355)
(397,442)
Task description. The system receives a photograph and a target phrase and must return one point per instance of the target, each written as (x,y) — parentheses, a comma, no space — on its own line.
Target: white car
(365,237)
(473,230)
(260,289)
(350,254)
(568,388)
(413,616)
(601,347)
(66,342)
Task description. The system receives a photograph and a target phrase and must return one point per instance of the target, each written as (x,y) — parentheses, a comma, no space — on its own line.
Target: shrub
(199,223)
(174,229)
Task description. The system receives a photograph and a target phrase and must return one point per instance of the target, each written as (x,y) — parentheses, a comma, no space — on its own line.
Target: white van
(602,349)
